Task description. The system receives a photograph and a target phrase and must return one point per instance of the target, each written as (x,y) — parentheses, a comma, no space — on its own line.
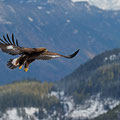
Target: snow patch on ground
(11,115)
(20,114)
(91,108)
(4,21)
(39,7)
(29,1)
(11,9)
(48,12)
(31,111)
(103,4)
(30,19)
(111,57)
(68,21)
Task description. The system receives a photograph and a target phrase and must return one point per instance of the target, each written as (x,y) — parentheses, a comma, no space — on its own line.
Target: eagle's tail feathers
(12,63)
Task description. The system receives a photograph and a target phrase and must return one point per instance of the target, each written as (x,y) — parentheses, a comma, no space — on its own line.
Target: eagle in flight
(27,55)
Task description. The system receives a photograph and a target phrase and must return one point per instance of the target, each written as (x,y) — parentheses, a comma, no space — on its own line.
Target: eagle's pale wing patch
(47,57)
(11,49)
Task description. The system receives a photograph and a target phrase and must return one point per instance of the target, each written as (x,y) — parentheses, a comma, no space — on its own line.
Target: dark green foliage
(99,75)
(111,115)
(27,94)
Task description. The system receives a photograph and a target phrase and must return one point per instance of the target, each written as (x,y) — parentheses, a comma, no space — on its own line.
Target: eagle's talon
(28,55)
(25,69)
(20,67)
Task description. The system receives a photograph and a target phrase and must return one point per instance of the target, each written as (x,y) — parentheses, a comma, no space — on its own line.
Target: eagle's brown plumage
(27,55)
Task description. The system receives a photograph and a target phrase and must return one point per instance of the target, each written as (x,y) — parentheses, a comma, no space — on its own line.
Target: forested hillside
(99,75)
(29,99)
(27,94)
(111,115)
(90,91)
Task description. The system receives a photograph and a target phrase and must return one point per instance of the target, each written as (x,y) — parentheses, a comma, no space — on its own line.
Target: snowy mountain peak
(103,4)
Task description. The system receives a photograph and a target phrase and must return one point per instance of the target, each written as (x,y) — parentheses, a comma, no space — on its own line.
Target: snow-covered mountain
(95,85)
(103,4)
(20,114)
(92,108)
(90,91)
(61,26)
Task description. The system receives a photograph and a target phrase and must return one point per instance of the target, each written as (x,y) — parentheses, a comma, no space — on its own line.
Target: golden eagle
(28,55)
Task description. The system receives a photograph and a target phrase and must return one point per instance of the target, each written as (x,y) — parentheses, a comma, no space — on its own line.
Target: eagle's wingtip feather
(74,54)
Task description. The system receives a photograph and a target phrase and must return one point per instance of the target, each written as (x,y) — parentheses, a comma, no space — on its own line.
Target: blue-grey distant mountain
(59,25)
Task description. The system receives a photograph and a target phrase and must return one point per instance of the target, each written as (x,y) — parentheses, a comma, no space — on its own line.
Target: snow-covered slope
(103,4)
(91,108)
(20,114)
(103,72)
(84,99)
(50,23)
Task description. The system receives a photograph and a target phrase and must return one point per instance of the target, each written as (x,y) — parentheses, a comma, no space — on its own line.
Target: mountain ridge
(60,26)
(105,64)
(103,4)
(90,91)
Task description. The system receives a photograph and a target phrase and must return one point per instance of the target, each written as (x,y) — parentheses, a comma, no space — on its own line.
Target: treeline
(95,76)
(27,94)
(104,80)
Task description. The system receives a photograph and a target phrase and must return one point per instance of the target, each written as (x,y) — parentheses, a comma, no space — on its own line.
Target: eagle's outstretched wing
(72,55)
(12,47)
(47,55)
(28,55)
(8,46)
